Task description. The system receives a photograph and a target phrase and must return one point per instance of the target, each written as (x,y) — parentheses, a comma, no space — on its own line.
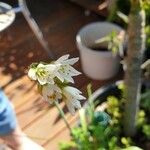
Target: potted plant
(97,59)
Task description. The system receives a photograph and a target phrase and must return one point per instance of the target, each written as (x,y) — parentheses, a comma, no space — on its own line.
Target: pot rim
(80,44)
(104,88)
(101,90)
(84,48)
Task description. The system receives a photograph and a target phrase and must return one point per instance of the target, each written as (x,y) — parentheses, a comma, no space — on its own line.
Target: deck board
(60,23)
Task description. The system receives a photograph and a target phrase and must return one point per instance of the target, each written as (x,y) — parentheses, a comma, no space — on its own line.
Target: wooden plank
(62,136)
(47,20)
(66,33)
(33,108)
(46,126)
(4,79)
(18,91)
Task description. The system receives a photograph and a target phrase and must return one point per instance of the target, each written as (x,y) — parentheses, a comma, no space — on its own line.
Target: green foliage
(126,141)
(147,30)
(67,145)
(146,130)
(121,7)
(146,7)
(87,137)
(123,17)
(121,11)
(115,42)
(132,148)
(145,100)
(97,131)
(100,118)
(141,118)
(92,131)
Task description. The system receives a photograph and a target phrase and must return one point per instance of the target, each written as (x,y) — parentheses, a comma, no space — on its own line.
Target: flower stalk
(62,115)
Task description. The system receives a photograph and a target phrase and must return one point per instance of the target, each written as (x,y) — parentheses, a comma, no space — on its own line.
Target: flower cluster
(53,81)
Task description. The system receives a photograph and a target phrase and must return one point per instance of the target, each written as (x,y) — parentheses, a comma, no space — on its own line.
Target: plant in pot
(128,109)
(97,59)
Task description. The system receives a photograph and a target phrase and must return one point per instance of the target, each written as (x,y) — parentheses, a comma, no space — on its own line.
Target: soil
(102,49)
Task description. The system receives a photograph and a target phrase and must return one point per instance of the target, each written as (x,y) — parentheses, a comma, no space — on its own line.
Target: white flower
(71,96)
(51,92)
(66,71)
(32,73)
(43,73)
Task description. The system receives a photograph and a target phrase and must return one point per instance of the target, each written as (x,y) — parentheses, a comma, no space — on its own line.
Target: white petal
(69,79)
(74,92)
(51,67)
(58,75)
(79,97)
(71,61)
(59,96)
(45,92)
(69,71)
(73,72)
(52,87)
(62,58)
(49,79)
(70,107)
(49,90)
(56,88)
(72,97)
(76,103)
(32,74)
(40,66)
(42,81)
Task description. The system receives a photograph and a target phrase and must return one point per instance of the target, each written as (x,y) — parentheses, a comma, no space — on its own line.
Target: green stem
(62,115)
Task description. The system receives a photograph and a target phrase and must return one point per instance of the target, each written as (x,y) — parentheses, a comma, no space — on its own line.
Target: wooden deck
(60,21)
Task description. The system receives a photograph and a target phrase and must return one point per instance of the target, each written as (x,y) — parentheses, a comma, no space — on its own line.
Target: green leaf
(83,120)
(146,130)
(67,145)
(123,17)
(132,148)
